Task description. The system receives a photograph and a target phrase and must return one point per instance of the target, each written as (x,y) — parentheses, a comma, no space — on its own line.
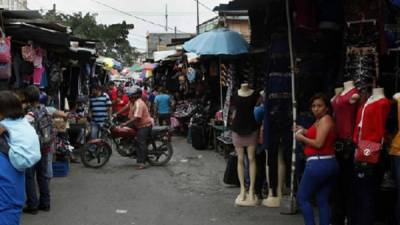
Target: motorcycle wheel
(95,155)
(161,154)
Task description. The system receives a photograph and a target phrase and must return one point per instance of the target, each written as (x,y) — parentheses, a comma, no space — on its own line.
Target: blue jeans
(95,129)
(396,173)
(40,170)
(319,178)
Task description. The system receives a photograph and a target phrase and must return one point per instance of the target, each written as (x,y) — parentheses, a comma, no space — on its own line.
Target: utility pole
(54,8)
(175,31)
(166,17)
(198,17)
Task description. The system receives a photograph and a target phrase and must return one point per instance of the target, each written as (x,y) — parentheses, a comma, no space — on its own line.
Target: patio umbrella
(136,68)
(220,42)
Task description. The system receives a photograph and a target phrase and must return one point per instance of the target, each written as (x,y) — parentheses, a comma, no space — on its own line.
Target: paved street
(189,191)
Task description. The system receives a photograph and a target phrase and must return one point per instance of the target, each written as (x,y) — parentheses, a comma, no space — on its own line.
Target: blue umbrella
(218,42)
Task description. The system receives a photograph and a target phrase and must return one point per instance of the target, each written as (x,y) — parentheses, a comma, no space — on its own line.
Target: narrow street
(189,191)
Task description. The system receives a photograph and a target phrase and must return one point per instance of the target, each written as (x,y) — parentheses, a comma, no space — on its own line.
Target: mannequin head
(348,84)
(245,86)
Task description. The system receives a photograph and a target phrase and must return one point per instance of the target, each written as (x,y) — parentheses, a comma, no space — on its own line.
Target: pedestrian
(100,110)
(139,117)
(41,119)
(112,90)
(321,168)
(19,149)
(119,103)
(162,107)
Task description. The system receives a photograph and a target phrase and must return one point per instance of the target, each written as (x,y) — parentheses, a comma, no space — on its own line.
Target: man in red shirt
(112,90)
(118,104)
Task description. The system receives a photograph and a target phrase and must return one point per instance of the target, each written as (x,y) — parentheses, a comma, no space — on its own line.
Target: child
(21,136)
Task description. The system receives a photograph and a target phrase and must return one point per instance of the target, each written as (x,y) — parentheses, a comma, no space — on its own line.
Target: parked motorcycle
(97,152)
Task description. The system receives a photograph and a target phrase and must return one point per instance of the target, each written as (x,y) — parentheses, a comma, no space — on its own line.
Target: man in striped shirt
(100,109)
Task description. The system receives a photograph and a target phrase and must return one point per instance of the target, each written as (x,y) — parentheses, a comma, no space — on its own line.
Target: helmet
(134,92)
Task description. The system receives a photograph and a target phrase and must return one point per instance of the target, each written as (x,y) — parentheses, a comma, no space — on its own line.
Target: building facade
(162,41)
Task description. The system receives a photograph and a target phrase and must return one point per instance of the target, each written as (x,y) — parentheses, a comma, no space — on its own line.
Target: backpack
(43,125)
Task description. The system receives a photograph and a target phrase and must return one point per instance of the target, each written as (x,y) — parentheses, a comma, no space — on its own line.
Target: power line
(204,6)
(137,17)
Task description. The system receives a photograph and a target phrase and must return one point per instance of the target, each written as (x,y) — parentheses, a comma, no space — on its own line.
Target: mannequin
(370,126)
(338,90)
(345,111)
(274,201)
(245,136)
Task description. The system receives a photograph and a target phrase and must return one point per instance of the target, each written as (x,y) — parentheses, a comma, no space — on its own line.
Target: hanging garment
(44,81)
(28,53)
(38,58)
(37,75)
(345,114)
(305,15)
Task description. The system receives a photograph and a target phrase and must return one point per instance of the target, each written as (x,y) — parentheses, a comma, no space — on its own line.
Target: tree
(114,37)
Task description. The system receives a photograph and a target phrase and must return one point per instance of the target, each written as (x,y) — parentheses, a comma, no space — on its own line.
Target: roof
(231,6)
(252,4)
(21,14)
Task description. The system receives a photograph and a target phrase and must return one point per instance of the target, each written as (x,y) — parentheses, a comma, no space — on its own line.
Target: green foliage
(114,37)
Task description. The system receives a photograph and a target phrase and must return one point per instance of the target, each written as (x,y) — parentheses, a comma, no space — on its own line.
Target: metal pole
(198,17)
(220,83)
(166,17)
(290,207)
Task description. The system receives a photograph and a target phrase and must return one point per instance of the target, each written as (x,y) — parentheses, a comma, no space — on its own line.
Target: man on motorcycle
(139,117)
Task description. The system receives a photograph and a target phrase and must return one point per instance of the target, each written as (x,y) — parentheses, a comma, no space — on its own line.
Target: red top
(326,149)
(114,94)
(373,124)
(119,105)
(345,114)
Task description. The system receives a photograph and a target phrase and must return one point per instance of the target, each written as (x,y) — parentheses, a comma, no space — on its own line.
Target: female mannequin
(345,111)
(370,126)
(245,135)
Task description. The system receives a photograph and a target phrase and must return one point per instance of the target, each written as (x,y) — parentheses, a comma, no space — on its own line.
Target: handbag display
(368,151)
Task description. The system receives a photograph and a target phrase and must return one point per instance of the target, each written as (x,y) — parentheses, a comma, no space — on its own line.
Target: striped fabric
(99,107)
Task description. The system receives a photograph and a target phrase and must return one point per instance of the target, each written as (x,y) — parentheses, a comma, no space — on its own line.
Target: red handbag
(368,151)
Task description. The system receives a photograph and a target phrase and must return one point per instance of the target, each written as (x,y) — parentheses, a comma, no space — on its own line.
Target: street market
(267,111)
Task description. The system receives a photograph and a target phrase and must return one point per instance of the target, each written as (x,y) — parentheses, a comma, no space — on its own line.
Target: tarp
(162,55)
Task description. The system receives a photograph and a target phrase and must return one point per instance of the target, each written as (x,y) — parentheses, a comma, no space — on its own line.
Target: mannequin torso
(245,90)
(349,86)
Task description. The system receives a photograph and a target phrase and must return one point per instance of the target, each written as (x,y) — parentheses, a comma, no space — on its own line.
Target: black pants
(142,137)
(280,139)
(164,119)
(366,182)
(343,192)
(40,172)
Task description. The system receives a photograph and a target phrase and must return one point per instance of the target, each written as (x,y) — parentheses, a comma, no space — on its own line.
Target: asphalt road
(189,191)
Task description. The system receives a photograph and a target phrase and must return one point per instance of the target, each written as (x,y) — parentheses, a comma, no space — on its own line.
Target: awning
(162,55)
(28,32)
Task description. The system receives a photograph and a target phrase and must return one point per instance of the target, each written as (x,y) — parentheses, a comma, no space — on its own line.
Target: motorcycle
(97,152)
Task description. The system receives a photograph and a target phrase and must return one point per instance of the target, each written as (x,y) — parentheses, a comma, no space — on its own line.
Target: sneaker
(44,208)
(30,210)
(140,166)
